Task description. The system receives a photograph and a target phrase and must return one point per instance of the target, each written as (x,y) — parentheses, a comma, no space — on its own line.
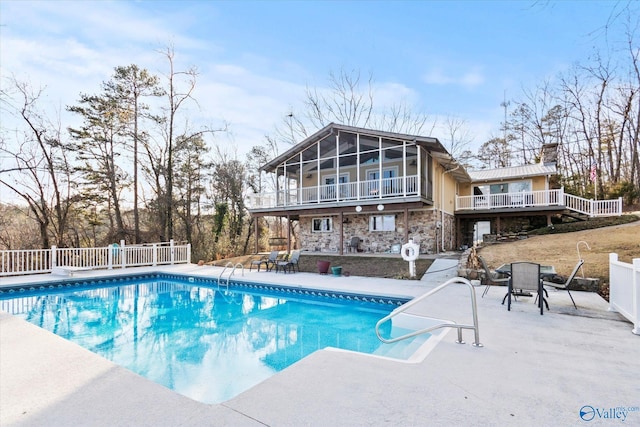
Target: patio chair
(566,284)
(525,276)
(268,262)
(354,245)
(290,264)
(490,278)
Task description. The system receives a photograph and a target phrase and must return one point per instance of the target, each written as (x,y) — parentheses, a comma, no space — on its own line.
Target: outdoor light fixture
(380,207)
(358,208)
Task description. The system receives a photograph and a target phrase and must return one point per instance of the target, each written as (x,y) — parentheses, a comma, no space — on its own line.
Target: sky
(255,59)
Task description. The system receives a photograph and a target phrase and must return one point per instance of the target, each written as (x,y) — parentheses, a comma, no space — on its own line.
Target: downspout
(442,205)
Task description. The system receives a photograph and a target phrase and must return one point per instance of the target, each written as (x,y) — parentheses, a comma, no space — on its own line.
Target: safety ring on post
(410,251)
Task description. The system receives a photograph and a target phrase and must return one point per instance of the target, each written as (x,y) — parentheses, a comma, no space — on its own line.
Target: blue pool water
(205,342)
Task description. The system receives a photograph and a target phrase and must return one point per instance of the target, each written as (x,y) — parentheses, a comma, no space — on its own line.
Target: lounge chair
(269,262)
(490,278)
(290,264)
(566,284)
(525,276)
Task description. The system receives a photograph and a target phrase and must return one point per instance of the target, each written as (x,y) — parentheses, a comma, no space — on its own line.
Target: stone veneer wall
(422,229)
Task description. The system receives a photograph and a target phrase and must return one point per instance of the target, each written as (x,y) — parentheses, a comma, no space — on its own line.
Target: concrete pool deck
(532,369)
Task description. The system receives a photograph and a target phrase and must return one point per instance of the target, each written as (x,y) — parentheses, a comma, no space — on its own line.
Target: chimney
(549,153)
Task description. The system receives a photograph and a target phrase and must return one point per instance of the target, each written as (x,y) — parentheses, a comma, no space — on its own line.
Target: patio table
(545,272)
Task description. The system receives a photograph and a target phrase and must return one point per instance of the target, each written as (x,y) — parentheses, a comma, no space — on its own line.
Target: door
(373,178)
(329,188)
(388,183)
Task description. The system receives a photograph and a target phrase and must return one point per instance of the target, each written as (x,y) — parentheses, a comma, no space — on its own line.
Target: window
(503,188)
(321,225)
(382,223)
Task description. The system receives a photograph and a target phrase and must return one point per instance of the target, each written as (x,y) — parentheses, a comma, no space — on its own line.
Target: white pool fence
(34,261)
(624,289)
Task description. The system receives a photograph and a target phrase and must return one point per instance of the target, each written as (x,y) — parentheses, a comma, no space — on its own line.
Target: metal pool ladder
(405,307)
(230,264)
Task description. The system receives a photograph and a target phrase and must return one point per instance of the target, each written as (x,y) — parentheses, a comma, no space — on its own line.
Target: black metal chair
(290,264)
(490,278)
(566,284)
(354,245)
(269,262)
(525,276)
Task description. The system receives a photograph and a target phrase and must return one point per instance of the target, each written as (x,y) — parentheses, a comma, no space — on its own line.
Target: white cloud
(470,79)
(393,93)
(72,48)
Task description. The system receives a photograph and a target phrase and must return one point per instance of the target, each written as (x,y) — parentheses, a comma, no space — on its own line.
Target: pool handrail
(227,265)
(405,307)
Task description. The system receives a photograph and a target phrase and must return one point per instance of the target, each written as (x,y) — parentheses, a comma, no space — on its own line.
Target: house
(510,199)
(384,188)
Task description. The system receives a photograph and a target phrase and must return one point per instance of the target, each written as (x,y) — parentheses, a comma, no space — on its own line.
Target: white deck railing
(34,261)
(624,289)
(331,193)
(510,200)
(593,208)
(541,198)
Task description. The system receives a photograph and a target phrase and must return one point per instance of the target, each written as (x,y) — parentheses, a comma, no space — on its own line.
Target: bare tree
(458,135)
(180,86)
(494,154)
(348,100)
(228,191)
(191,178)
(41,172)
(344,102)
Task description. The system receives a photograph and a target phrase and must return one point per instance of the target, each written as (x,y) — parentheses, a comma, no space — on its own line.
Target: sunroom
(342,165)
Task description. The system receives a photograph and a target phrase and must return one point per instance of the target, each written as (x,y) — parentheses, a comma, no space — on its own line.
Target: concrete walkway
(533,369)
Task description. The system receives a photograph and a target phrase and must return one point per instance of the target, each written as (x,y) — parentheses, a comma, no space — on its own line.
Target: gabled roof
(437,150)
(514,172)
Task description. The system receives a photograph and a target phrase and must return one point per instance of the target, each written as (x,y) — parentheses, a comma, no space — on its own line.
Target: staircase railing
(593,208)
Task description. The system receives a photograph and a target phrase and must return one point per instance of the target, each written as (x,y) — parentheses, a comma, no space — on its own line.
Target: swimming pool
(207,342)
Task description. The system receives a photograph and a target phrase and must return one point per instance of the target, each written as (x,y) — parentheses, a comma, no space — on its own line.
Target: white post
(54,257)
(155,254)
(123,253)
(172,251)
(613,257)
(110,250)
(619,212)
(635,282)
(188,253)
